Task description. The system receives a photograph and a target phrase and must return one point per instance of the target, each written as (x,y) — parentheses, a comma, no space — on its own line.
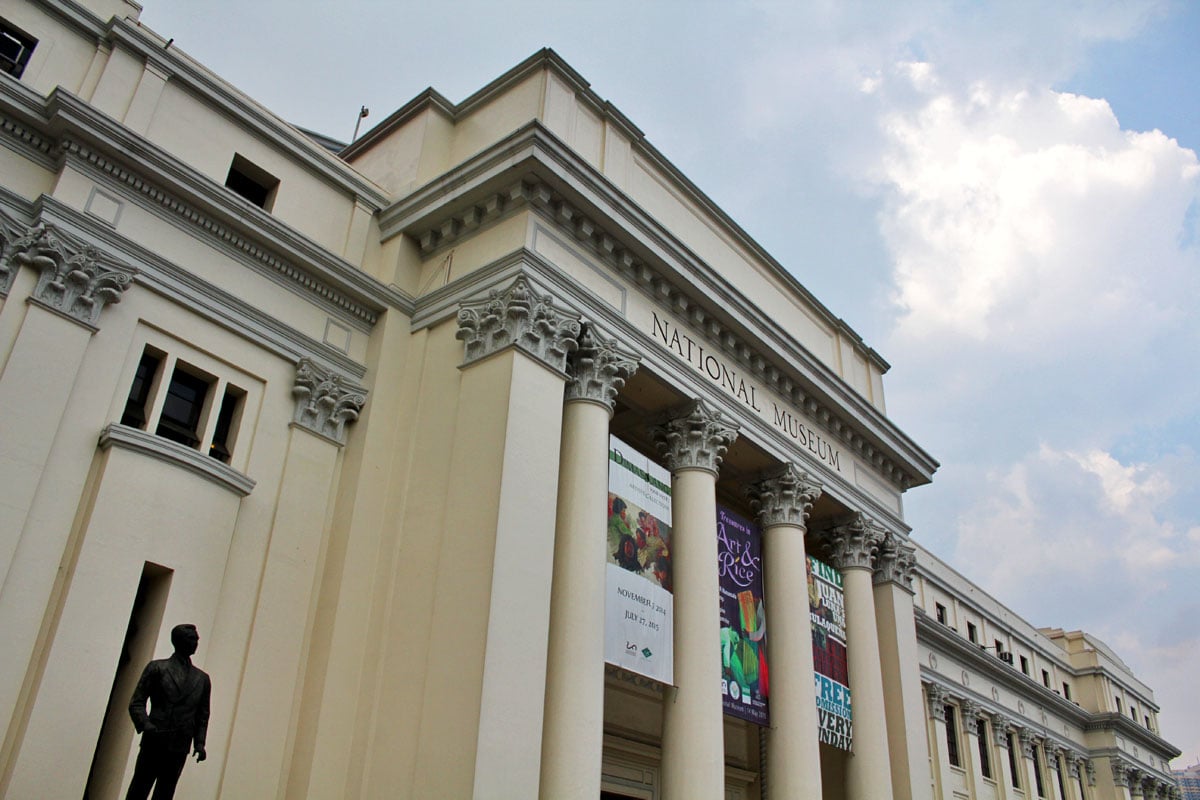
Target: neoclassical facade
(350,414)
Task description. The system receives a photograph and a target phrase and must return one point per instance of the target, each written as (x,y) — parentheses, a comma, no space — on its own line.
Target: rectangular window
(139,393)
(1012,760)
(972,633)
(1037,772)
(16,47)
(252,182)
(180,418)
(223,435)
(1025,665)
(1046,679)
(184,403)
(985,763)
(1148,723)
(999,646)
(1062,788)
(940,610)
(1118,704)
(951,737)
(1066,690)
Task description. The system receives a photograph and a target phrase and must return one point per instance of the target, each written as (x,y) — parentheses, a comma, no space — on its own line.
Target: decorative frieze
(441,232)
(325,402)
(291,269)
(936,698)
(694,437)
(784,498)
(895,562)
(854,544)
(517,317)
(77,281)
(598,369)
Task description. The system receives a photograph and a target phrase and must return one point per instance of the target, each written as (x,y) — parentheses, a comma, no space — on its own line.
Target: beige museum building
(347,409)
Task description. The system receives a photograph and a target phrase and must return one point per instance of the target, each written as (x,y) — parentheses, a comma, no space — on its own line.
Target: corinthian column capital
(935,699)
(784,498)
(1028,741)
(970,712)
(598,369)
(517,317)
(77,281)
(695,438)
(854,544)
(1000,725)
(325,401)
(895,561)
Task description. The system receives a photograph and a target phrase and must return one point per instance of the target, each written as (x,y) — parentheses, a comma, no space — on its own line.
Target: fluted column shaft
(868,770)
(793,745)
(693,742)
(573,732)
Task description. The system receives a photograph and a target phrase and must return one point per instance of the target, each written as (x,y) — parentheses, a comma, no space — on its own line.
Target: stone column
(573,732)
(868,770)
(1004,775)
(971,712)
(782,503)
(897,632)
(935,699)
(693,444)
(1028,753)
(263,735)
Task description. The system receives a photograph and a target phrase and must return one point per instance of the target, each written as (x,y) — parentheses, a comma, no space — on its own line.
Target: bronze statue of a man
(178,720)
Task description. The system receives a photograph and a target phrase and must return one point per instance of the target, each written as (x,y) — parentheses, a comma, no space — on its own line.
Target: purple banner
(743,621)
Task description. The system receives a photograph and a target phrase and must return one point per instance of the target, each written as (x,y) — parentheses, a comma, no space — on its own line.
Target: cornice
(155,175)
(1119,723)
(186,288)
(547,59)
(138,441)
(533,169)
(243,110)
(938,637)
(441,305)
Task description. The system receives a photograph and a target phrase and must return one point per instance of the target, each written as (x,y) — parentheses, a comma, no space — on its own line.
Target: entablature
(532,169)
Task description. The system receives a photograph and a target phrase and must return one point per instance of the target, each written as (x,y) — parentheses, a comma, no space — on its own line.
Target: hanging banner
(827,610)
(638,605)
(744,682)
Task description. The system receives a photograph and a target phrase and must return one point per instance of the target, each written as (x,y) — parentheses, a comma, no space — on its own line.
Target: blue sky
(1001,197)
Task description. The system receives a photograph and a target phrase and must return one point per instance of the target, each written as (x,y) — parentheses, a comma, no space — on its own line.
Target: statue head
(185,639)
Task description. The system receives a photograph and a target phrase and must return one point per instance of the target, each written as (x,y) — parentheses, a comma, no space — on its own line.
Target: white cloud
(1057,520)
(1028,216)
